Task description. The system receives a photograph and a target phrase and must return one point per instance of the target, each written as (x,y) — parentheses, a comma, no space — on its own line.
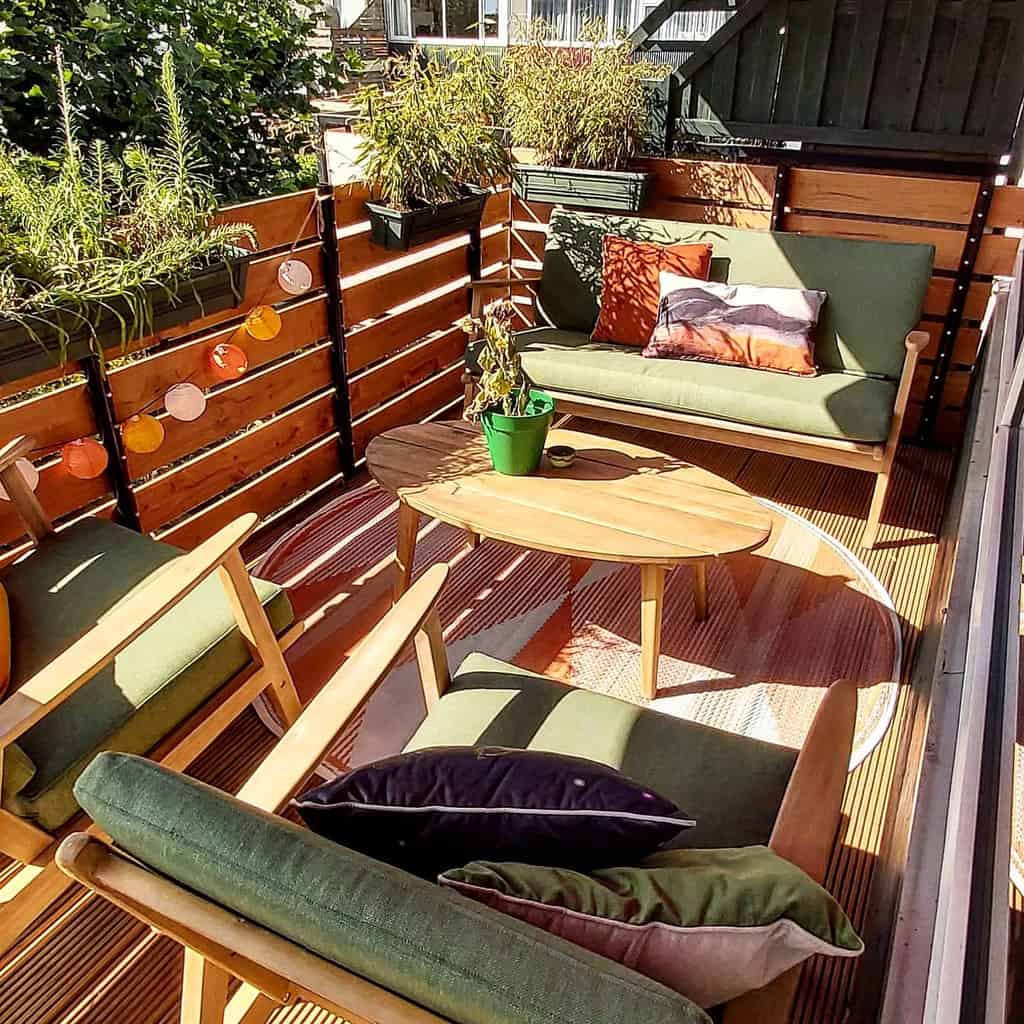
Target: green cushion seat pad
(57,593)
(711,924)
(875,289)
(414,938)
(731,785)
(831,404)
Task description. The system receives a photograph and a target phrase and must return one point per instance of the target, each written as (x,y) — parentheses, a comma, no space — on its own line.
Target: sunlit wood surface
(87,962)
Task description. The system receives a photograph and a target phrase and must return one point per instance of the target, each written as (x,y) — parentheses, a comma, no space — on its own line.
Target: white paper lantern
(294,277)
(28,471)
(185,402)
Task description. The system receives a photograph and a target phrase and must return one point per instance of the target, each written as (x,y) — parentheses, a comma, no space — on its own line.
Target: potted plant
(429,149)
(583,115)
(96,251)
(515,416)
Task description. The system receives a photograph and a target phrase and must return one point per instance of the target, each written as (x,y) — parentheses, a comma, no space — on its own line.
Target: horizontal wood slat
(139,383)
(527,248)
(940,293)
(230,408)
(279,220)
(944,200)
(348,204)
(417,404)
(237,460)
(388,335)
(713,181)
(371,299)
(1007,207)
(494,249)
(51,418)
(264,495)
(497,209)
(703,213)
(958,383)
(405,370)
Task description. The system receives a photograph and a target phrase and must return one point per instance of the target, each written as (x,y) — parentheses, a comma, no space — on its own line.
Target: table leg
(700,590)
(408,527)
(652,593)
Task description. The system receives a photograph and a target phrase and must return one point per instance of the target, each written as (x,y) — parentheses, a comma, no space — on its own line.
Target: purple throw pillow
(436,809)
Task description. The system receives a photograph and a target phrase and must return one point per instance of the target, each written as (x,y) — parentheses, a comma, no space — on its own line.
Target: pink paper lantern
(185,402)
(30,474)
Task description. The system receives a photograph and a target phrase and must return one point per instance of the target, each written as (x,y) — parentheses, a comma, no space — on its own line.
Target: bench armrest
(304,745)
(72,668)
(503,282)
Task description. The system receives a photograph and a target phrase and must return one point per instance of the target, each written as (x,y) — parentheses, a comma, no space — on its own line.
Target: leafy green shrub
(430,133)
(86,232)
(577,108)
(248,71)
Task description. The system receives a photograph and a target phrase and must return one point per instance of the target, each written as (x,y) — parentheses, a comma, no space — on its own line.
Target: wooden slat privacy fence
(942,76)
(309,403)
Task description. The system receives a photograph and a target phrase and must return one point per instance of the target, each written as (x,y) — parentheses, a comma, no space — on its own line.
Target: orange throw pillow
(630,285)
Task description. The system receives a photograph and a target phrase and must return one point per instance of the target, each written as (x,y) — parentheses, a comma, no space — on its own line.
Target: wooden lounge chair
(311,944)
(119,642)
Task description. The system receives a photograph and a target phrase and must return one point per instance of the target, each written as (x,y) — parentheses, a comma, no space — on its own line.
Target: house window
(445,19)
(567,17)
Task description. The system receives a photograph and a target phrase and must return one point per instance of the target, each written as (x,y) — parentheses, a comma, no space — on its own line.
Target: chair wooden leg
(405,551)
(22,902)
(249,1006)
(700,590)
(204,991)
(875,512)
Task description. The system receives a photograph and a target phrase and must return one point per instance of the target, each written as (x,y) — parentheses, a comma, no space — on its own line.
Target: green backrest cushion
(875,289)
(458,959)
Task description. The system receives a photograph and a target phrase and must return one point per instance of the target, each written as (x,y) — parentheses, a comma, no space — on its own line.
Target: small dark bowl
(561,455)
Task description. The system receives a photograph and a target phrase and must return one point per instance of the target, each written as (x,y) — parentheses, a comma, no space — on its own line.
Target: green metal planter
(400,230)
(617,191)
(23,354)
(516,443)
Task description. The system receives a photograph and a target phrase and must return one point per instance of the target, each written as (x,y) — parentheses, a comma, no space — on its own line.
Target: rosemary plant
(91,235)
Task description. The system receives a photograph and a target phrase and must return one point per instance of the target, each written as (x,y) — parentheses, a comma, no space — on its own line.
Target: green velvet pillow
(711,924)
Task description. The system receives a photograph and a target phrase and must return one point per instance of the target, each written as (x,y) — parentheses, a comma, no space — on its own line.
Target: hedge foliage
(246,75)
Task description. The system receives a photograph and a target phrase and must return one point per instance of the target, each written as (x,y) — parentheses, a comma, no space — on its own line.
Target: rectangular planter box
(618,191)
(400,230)
(212,291)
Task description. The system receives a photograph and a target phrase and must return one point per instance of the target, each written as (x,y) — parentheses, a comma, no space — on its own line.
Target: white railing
(948,962)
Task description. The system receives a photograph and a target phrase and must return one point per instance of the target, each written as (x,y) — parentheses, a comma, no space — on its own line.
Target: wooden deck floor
(86,963)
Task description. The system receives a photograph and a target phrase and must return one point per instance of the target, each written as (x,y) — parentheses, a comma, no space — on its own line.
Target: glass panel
(588,10)
(463,19)
(621,21)
(426,18)
(555,13)
(399,16)
(490,18)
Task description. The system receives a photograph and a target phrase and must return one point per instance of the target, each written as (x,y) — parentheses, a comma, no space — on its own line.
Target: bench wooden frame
(871,458)
(276,971)
(38,883)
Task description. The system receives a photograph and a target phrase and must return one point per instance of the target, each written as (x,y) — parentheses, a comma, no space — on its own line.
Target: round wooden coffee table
(618,502)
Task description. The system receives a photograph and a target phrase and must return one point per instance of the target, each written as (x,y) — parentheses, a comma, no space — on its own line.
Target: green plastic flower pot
(516,443)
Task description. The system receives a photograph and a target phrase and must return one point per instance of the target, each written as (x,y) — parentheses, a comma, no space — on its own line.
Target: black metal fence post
(331,263)
(102,401)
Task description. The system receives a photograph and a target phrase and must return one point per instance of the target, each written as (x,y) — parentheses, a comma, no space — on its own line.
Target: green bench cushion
(732,785)
(875,289)
(449,954)
(833,405)
(57,594)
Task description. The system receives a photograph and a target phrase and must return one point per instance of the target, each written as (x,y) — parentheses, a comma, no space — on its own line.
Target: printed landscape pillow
(630,285)
(435,809)
(711,924)
(740,324)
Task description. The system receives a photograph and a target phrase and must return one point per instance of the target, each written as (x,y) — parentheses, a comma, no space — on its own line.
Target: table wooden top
(618,502)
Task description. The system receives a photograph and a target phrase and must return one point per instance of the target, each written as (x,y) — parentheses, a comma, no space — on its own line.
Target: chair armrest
(72,668)
(16,448)
(304,745)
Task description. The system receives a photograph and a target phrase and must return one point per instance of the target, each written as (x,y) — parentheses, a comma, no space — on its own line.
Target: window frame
(501,39)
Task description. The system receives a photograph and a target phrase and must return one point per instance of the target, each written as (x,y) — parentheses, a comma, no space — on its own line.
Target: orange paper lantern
(84,459)
(142,434)
(227,361)
(263,323)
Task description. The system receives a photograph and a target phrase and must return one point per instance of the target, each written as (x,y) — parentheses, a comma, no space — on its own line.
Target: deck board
(87,963)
